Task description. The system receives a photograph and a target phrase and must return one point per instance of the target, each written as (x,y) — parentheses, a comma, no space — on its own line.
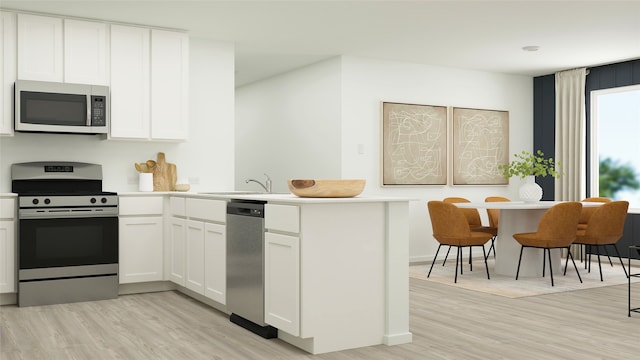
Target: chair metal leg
(434,259)
(574,265)
(599,264)
(458,252)
(604,247)
(566,262)
(519,260)
(550,266)
(492,247)
(620,258)
(446,256)
(485,262)
(544,263)
(470,263)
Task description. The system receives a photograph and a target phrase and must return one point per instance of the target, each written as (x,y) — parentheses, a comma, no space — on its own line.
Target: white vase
(529,190)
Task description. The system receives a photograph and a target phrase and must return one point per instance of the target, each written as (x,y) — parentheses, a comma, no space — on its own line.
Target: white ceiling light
(531,48)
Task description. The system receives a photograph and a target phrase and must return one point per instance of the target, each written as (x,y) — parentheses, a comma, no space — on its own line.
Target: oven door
(63,242)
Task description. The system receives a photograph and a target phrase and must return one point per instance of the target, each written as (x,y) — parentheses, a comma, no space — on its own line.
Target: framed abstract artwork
(480,142)
(414,144)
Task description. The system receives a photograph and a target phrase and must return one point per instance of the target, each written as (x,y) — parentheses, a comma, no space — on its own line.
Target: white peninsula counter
(336,269)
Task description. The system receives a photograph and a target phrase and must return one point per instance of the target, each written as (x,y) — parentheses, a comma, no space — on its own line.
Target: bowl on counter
(326,188)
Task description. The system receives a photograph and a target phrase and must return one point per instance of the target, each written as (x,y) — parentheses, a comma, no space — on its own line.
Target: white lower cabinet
(195,256)
(206,259)
(206,248)
(215,262)
(282,282)
(8,245)
(141,238)
(177,247)
(141,249)
(7,256)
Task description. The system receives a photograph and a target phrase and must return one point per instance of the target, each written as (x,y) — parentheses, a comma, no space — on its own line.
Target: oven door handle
(67,213)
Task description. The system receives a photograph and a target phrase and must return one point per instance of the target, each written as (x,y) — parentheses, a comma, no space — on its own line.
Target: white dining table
(520,217)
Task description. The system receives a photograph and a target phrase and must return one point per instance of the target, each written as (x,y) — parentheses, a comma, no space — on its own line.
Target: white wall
(367,82)
(289,127)
(364,84)
(207,156)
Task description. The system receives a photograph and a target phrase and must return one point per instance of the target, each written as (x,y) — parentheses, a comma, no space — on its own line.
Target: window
(615,144)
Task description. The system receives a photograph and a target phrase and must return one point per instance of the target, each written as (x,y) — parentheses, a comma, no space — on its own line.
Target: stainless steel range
(67,233)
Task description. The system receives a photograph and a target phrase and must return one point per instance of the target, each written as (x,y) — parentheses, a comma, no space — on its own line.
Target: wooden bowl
(183,187)
(326,188)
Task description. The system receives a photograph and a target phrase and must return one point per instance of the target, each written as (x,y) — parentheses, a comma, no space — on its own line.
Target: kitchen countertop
(275,197)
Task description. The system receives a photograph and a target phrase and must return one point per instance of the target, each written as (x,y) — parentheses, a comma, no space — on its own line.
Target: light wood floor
(446,322)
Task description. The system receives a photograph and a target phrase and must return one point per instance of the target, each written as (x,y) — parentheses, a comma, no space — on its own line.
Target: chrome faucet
(266,186)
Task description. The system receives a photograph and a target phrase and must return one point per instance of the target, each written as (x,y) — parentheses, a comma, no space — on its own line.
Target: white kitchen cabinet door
(130,82)
(282,282)
(141,243)
(169,85)
(7,257)
(215,262)
(177,248)
(85,52)
(40,48)
(195,256)
(8,65)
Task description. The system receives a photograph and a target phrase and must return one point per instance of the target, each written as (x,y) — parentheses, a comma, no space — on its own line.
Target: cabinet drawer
(210,210)
(143,205)
(177,206)
(7,209)
(282,218)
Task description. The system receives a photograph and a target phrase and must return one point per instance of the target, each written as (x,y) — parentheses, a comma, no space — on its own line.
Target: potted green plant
(527,166)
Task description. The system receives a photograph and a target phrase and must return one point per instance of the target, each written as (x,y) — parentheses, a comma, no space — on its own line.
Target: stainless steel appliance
(245,266)
(67,233)
(61,108)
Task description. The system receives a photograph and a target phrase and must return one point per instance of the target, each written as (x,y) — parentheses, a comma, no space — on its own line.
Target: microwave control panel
(98,110)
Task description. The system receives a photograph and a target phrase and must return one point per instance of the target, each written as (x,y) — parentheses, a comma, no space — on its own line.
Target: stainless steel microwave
(61,108)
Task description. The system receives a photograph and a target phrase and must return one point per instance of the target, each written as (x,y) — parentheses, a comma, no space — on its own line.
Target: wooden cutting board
(165,175)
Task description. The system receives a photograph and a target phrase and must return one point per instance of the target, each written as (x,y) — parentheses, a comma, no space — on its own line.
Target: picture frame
(414,144)
(480,142)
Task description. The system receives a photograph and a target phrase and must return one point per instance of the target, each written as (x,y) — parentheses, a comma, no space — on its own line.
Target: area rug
(507,286)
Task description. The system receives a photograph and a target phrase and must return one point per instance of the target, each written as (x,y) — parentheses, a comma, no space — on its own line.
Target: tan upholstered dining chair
(473,219)
(494,219)
(556,230)
(605,227)
(450,227)
(587,211)
(585,215)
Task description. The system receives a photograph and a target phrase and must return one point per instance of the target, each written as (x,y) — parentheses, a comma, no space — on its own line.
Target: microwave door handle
(89,110)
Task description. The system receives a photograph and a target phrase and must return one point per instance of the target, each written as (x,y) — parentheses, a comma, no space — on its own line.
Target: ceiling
(272,37)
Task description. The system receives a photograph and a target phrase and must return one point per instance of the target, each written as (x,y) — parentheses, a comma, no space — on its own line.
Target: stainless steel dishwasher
(245,266)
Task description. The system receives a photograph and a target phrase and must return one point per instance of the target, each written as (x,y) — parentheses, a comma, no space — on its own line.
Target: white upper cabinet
(8,65)
(62,50)
(169,84)
(149,84)
(40,48)
(130,83)
(85,52)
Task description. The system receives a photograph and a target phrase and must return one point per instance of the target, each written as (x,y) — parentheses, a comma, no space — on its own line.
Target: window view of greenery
(617,129)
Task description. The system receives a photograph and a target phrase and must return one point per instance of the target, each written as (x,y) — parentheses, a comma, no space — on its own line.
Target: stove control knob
(47,201)
(103,200)
(35,201)
(93,200)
